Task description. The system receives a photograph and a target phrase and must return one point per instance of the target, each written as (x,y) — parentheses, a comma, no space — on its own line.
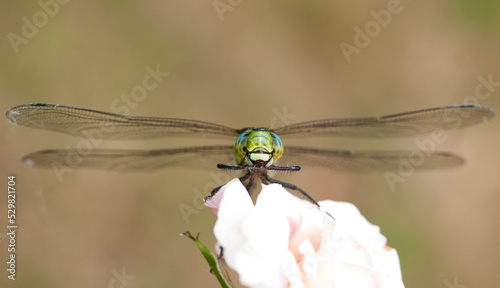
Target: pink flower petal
(293,225)
(284,241)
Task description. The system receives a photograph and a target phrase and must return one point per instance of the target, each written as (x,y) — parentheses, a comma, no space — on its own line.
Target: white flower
(284,241)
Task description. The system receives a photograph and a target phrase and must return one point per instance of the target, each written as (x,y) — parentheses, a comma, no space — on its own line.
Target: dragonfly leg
(284,168)
(216,189)
(218,258)
(293,187)
(231,167)
(239,168)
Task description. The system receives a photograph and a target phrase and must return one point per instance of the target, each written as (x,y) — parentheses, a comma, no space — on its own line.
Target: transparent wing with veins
(83,122)
(396,125)
(206,157)
(369,160)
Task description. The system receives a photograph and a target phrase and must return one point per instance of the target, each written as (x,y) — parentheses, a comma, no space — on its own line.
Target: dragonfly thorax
(258,147)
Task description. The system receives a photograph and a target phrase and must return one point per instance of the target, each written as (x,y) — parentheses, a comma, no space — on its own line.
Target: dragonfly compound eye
(277,145)
(240,147)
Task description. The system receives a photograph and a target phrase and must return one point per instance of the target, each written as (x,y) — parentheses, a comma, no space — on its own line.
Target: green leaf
(211,259)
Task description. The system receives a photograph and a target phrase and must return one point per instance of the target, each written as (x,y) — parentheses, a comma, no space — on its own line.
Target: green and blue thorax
(258,147)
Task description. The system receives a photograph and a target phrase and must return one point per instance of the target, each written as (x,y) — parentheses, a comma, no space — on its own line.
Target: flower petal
(233,208)
(310,228)
(284,241)
(291,271)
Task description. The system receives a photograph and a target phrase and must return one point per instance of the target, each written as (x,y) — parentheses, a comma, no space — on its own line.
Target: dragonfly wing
(95,124)
(404,124)
(369,160)
(132,160)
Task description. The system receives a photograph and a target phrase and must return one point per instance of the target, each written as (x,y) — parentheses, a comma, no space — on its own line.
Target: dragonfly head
(258,147)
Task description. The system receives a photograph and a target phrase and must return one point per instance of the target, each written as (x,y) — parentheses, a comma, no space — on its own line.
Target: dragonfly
(257,150)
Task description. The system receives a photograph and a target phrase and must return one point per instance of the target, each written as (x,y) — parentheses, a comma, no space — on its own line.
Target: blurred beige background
(244,67)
